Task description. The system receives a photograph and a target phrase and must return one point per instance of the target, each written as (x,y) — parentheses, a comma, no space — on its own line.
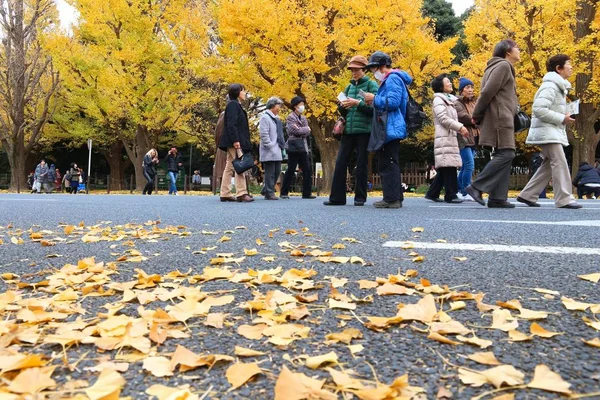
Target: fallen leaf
(158,366)
(547,291)
(240,373)
(297,386)
(474,340)
(573,305)
(418,259)
(545,379)
(316,361)
(537,330)
(504,321)
(591,277)
(244,352)
(389,289)
(497,376)
(108,386)
(338,246)
(356,348)
(424,311)
(460,258)
(345,336)
(485,358)
(33,380)
(442,339)
(418,229)
(516,336)
(341,304)
(595,342)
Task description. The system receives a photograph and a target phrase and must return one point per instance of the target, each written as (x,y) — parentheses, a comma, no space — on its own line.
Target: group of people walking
(461,125)
(48,179)
(149,163)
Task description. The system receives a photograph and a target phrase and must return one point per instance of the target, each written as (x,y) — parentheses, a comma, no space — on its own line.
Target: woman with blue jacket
(393,97)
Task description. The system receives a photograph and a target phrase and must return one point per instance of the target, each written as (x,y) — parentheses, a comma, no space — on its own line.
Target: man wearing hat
(359,116)
(392,97)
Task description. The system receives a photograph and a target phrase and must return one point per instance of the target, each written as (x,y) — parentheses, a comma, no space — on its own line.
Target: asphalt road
(541,262)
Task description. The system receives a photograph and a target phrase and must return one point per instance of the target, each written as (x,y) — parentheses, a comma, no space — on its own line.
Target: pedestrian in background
(392,97)
(149,170)
(235,140)
(548,131)
(465,104)
(49,184)
(297,149)
(40,176)
(445,148)
(358,116)
(74,176)
(494,112)
(587,181)
(272,144)
(58,181)
(174,164)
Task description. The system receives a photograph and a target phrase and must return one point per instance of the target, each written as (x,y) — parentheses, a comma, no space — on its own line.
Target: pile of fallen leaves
(44,320)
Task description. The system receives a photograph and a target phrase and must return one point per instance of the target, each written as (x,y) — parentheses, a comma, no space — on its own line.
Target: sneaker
(385,204)
(467,197)
(459,196)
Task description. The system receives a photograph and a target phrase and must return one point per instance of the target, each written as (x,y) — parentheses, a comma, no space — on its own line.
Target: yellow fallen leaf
(357,260)
(595,342)
(259,242)
(389,289)
(591,277)
(69,229)
(485,358)
(162,392)
(442,241)
(224,239)
(356,348)
(317,361)
(418,229)
(297,386)
(418,259)
(504,321)
(573,305)
(250,252)
(345,336)
(442,339)
(338,246)
(592,323)
(457,305)
(424,311)
(16,240)
(158,366)
(497,376)
(244,352)
(240,373)
(516,336)
(460,258)
(537,330)
(474,340)
(33,380)
(108,386)
(341,304)
(364,284)
(252,332)
(547,291)
(545,379)
(350,240)
(20,361)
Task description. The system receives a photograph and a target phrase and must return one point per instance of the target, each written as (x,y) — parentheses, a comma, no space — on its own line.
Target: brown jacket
(464,108)
(445,119)
(496,107)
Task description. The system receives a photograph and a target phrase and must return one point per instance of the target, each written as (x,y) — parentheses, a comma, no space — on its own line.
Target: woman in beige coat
(446,150)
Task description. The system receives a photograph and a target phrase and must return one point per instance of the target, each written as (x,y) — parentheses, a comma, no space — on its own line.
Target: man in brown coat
(494,113)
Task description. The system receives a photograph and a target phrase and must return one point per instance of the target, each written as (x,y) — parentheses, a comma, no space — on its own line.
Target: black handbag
(243,163)
(378,130)
(522,121)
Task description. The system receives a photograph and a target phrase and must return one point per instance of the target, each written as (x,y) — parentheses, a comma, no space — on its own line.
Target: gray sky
(67,13)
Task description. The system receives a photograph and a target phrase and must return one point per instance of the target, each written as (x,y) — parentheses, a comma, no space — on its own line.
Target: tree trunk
(583,137)
(17,160)
(136,150)
(114,158)
(328,148)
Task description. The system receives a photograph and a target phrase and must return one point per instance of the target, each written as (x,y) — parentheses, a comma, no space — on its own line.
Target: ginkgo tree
(130,65)
(542,29)
(290,48)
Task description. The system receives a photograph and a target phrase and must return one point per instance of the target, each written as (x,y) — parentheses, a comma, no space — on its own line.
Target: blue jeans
(172,181)
(468,167)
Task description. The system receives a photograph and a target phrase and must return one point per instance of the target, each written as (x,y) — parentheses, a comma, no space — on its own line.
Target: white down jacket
(445,119)
(549,108)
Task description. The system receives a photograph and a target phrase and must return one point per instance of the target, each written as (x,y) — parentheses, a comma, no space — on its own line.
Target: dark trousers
(149,182)
(582,190)
(389,170)
(272,172)
(338,186)
(446,178)
(495,177)
(295,159)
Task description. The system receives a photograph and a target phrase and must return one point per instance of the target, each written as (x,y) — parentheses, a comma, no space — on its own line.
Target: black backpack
(415,116)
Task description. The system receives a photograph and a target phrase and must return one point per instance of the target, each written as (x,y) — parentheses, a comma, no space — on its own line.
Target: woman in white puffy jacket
(548,131)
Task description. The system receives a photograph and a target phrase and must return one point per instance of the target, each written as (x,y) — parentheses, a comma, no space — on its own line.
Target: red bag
(338,128)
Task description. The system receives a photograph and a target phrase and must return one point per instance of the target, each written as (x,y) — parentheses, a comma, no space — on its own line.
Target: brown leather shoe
(225,199)
(272,197)
(244,199)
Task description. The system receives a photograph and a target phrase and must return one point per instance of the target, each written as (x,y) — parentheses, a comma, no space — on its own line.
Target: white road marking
(589,223)
(586,207)
(495,247)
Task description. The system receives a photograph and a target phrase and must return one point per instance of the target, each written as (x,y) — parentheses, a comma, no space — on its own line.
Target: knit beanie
(463,82)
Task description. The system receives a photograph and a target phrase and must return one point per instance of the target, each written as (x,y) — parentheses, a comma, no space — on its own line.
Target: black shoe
(475,194)
(529,203)
(455,200)
(333,203)
(434,199)
(271,197)
(572,206)
(309,197)
(359,203)
(499,204)
(284,196)
(385,204)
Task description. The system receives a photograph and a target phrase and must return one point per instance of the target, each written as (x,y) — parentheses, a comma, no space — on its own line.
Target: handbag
(378,130)
(339,127)
(522,121)
(243,163)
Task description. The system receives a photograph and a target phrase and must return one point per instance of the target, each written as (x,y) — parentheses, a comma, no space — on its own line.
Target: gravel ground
(398,350)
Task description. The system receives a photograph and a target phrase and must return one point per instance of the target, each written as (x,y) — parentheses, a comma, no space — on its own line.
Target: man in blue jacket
(393,97)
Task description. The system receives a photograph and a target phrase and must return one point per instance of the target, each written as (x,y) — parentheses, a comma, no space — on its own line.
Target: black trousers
(295,159)
(149,182)
(446,178)
(582,190)
(389,170)
(348,144)
(495,177)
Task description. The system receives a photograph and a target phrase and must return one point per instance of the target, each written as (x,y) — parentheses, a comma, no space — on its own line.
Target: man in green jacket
(358,116)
